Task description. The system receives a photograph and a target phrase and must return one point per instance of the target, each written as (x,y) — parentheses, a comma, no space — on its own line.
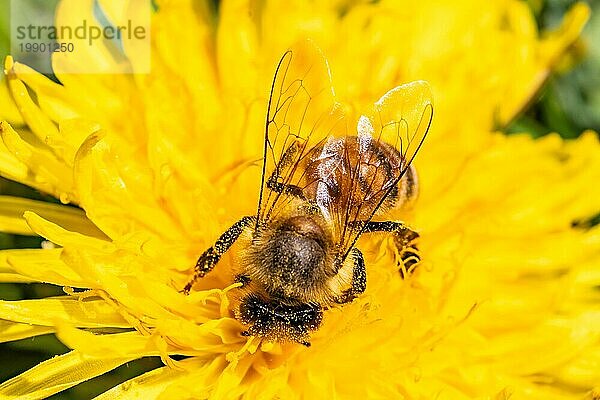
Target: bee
(323,185)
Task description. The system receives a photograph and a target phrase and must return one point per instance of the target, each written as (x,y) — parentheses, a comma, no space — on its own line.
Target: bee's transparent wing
(302,113)
(400,118)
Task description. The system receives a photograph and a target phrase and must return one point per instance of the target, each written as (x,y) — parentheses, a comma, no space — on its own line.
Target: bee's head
(275,320)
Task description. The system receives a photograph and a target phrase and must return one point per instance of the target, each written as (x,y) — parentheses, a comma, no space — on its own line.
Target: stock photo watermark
(80,40)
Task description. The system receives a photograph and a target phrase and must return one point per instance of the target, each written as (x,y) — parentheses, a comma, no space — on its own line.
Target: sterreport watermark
(84,40)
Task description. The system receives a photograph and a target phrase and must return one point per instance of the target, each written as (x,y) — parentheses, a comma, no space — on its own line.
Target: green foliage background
(569,104)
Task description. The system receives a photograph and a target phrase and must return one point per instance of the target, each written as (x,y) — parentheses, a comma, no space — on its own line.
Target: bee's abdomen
(353,171)
(408,187)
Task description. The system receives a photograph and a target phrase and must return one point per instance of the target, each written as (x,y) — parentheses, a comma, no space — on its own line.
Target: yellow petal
(195,79)
(194,378)
(10,277)
(118,345)
(552,49)
(35,118)
(504,274)
(96,57)
(39,265)
(558,41)
(53,99)
(12,168)
(116,273)
(74,219)
(137,50)
(62,105)
(109,183)
(73,133)
(113,91)
(57,374)
(60,236)
(10,331)
(88,313)
(8,108)
(237,39)
(51,174)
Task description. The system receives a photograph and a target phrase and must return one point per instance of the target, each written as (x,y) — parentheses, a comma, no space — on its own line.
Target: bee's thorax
(292,261)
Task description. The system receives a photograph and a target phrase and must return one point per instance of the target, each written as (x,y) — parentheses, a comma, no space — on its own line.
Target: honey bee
(322,187)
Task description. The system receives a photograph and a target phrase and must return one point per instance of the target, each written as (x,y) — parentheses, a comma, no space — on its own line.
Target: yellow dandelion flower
(504,304)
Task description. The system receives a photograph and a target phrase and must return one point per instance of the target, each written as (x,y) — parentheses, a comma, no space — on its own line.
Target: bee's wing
(302,113)
(401,118)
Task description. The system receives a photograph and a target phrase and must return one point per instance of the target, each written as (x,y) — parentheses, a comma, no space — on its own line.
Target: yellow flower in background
(506,301)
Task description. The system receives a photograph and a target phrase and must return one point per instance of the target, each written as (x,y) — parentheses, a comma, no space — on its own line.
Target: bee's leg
(243,279)
(274,183)
(210,257)
(404,238)
(278,187)
(359,278)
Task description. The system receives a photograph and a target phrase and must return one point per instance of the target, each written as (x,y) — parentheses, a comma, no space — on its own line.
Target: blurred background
(568,105)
